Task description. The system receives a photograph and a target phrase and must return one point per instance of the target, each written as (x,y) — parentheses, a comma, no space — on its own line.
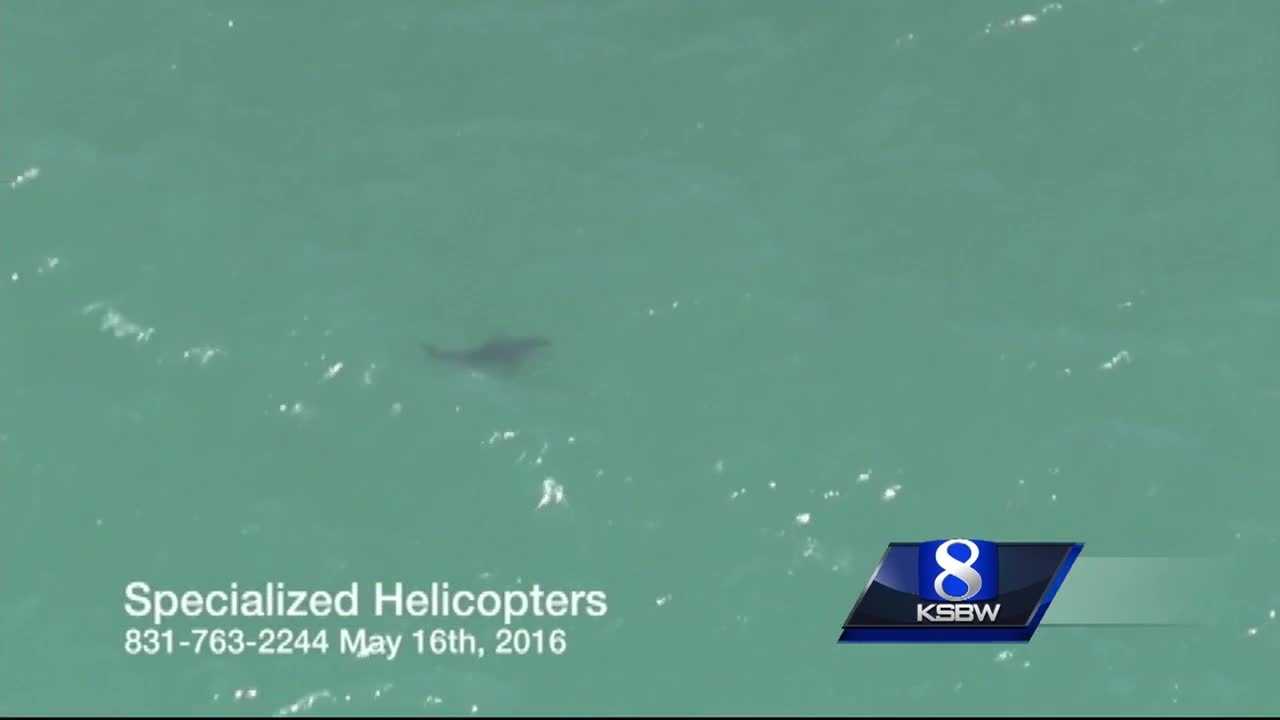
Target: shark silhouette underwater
(500,354)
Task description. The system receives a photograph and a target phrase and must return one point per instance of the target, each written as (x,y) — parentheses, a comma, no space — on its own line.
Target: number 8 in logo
(962,571)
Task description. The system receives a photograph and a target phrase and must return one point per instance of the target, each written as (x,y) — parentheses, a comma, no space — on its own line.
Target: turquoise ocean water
(817,276)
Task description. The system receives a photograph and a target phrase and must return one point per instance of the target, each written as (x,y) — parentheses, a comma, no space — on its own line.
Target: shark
(504,354)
